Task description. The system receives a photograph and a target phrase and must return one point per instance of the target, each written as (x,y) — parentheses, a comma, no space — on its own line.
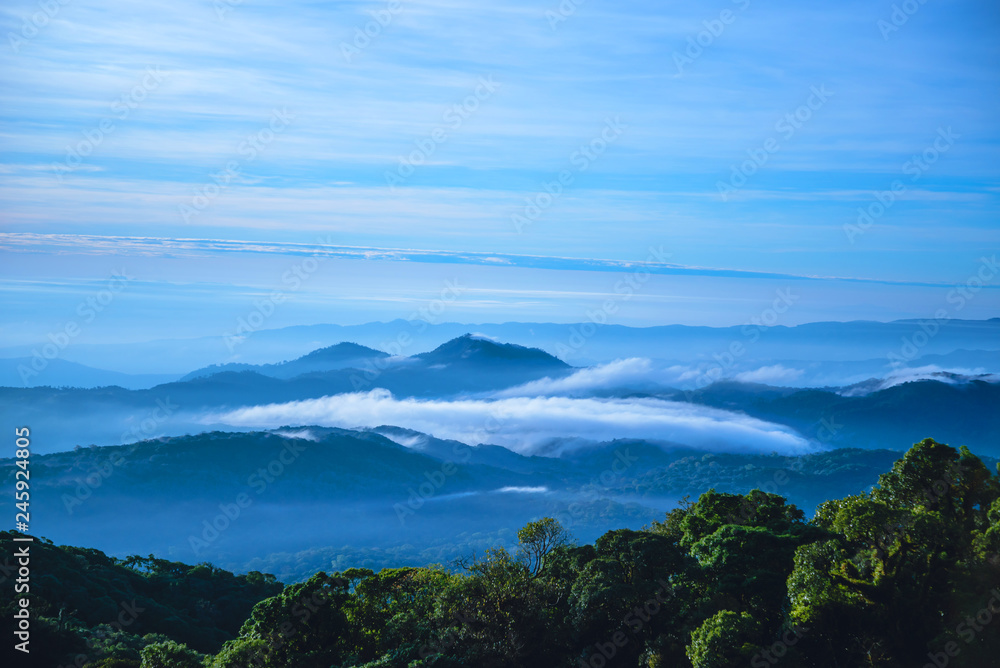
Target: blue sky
(301,125)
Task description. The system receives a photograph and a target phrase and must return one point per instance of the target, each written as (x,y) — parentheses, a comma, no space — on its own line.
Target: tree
(906,561)
(391,612)
(537,540)
(305,625)
(626,590)
(725,639)
(170,654)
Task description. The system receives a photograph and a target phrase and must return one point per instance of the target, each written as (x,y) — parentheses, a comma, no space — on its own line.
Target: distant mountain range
(960,414)
(178,479)
(957,409)
(331,358)
(578,344)
(31,372)
(65,417)
(244,500)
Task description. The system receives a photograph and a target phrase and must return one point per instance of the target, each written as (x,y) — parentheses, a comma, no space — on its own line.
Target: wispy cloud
(203,248)
(634,374)
(950,376)
(528,425)
(356,120)
(776,374)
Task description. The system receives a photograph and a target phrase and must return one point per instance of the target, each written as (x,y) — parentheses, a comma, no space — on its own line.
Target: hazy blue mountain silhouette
(340,356)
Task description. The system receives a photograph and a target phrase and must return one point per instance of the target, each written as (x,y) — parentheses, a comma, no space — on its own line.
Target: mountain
(465,365)
(291,500)
(320,486)
(332,358)
(956,408)
(814,342)
(810,373)
(911,376)
(477,351)
(202,606)
(537,597)
(960,414)
(41,372)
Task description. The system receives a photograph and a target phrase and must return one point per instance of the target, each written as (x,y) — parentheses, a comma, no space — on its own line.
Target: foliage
(537,540)
(100,609)
(884,578)
(170,654)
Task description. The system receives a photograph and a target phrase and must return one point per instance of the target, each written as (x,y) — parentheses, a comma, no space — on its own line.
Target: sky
(538,153)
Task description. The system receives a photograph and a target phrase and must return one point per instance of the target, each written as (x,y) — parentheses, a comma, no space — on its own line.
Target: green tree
(906,561)
(725,639)
(391,612)
(537,540)
(170,654)
(305,626)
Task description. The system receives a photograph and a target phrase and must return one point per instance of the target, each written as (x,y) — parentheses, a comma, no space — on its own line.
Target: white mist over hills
(811,355)
(527,424)
(480,389)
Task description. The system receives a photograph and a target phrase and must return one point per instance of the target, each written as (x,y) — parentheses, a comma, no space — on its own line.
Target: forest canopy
(906,574)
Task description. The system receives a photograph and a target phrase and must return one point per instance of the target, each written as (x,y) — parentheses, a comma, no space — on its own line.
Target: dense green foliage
(907,574)
(95,606)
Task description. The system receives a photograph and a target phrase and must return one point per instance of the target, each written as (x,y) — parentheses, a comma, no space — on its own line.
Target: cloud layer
(634,373)
(528,424)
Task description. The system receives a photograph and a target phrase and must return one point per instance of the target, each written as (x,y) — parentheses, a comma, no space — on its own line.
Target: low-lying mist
(526,424)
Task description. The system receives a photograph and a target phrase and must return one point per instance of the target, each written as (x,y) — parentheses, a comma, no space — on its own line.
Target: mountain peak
(342,351)
(479,349)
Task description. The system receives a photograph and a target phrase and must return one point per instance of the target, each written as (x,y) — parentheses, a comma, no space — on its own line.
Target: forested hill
(907,574)
(361,498)
(91,605)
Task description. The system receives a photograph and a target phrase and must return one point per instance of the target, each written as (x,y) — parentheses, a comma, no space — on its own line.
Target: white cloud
(635,373)
(527,424)
(301,434)
(951,376)
(770,375)
(522,490)
(479,336)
